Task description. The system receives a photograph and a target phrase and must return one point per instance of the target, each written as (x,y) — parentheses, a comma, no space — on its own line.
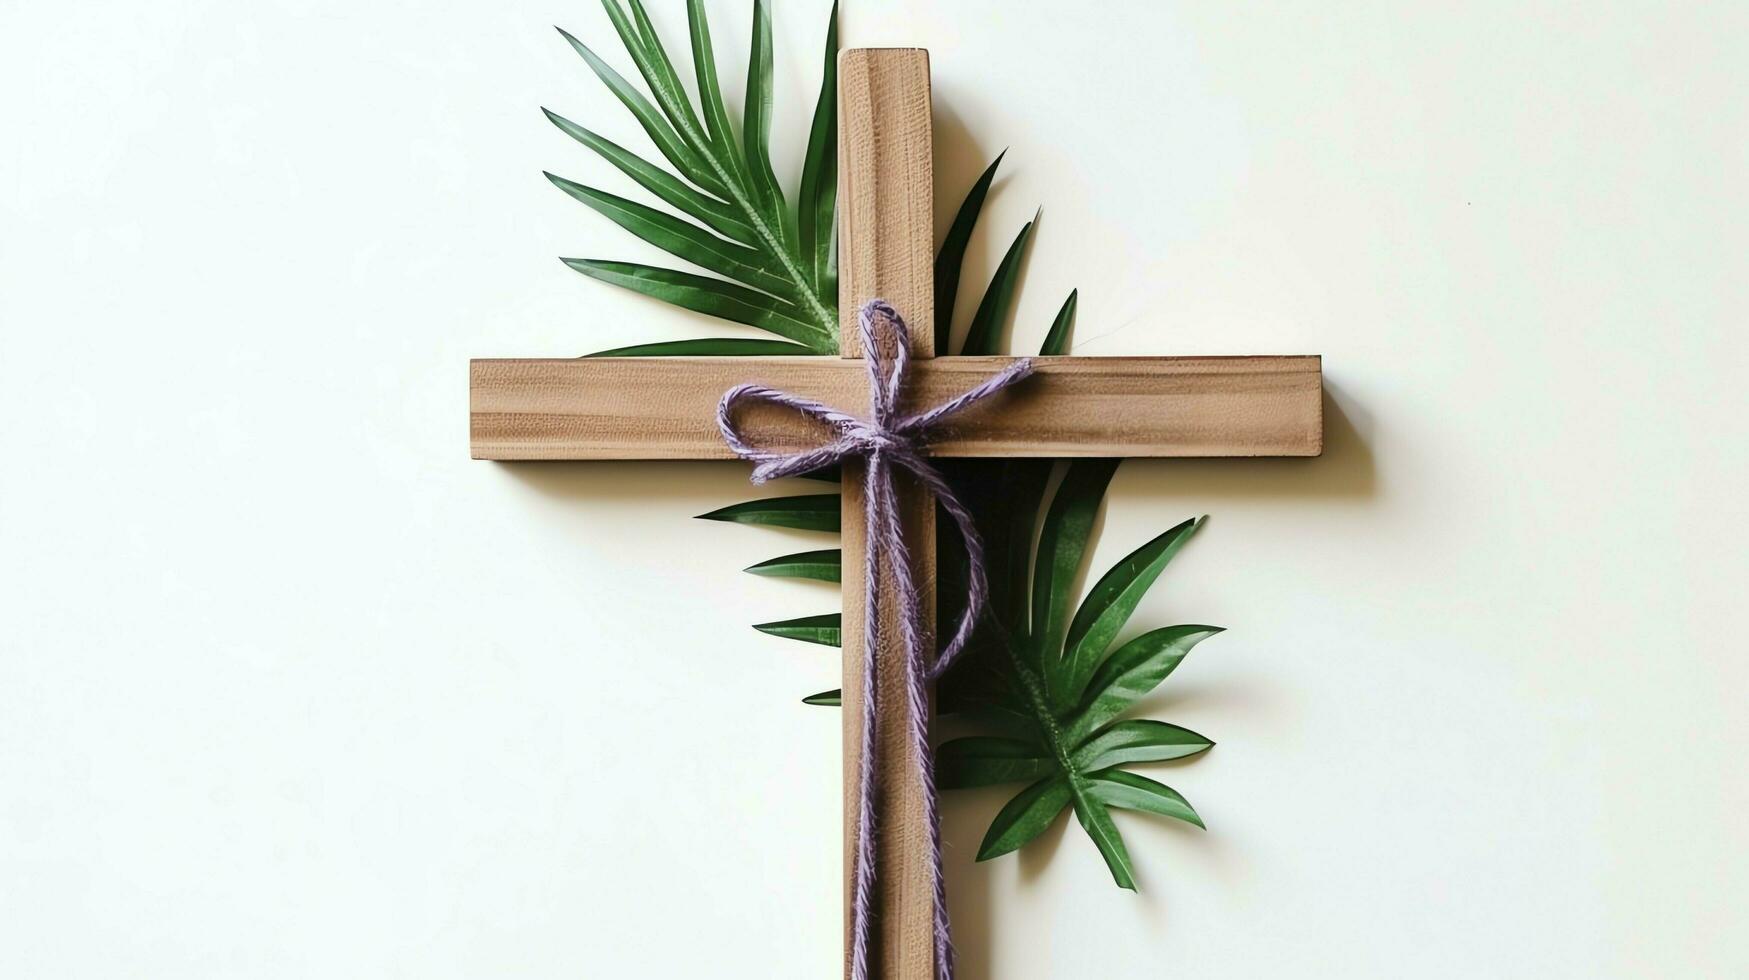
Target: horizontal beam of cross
(665,408)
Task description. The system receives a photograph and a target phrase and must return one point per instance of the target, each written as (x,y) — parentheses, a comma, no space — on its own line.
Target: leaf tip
(720,514)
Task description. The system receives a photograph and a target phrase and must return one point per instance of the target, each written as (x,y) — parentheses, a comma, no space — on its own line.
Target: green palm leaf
(826,630)
(1109,604)
(816,202)
(1057,338)
(704,295)
(804,512)
(1062,545)
(951,257)
(775,280)
(992,313)
(1115,787)
(756,116)
(657,70)
(660,131)
(1073,746)
(710,96)
(709,347)
(1139,740)
(819,566)
(1025,817)
(659,182)
(1135,669)
(681,238)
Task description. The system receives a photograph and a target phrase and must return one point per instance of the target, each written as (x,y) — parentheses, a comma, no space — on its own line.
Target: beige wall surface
(290,687)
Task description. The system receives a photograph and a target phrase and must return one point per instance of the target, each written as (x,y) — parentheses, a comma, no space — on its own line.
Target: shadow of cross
(665,408)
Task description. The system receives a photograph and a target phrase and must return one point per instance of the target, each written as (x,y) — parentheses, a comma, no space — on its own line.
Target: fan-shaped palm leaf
(775,263)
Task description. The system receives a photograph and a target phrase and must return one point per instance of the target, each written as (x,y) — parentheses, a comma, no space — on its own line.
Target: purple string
(887,439)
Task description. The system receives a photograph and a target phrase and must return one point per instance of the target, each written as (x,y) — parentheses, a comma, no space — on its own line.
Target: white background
(289,687)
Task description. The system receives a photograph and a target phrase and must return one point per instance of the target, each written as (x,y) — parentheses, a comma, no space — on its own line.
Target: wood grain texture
(886,191)
(886,241)
(665,408)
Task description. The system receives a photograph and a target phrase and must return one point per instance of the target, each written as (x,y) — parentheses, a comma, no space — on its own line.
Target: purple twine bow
(887,439)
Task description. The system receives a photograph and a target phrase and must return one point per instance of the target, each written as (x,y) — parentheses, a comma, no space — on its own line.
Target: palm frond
(775,261)
(1072,688)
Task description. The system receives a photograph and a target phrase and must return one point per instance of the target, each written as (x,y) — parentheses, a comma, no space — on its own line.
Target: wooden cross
(665,408)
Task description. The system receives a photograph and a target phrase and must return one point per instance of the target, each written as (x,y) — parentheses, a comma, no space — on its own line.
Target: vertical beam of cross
(885,248)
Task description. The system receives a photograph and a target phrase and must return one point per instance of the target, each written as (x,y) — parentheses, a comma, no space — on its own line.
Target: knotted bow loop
(887,436)
(886,348)
(886,439)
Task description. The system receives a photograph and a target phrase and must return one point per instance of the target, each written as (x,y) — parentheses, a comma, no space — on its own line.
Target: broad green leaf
(1062,545)
(824,630)
(806,512)
(952,256)
(1025,817)
(816,200)
(1109,604)
(992,313)
(680,238)
(830,699)
(709,347)
(1096,820)
(703,294)
(756,117)
(983,760)
(1139,740)
(1114,787)
(660,182)
(820,566)
(661,133)
(1057,340)
(1135,669)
